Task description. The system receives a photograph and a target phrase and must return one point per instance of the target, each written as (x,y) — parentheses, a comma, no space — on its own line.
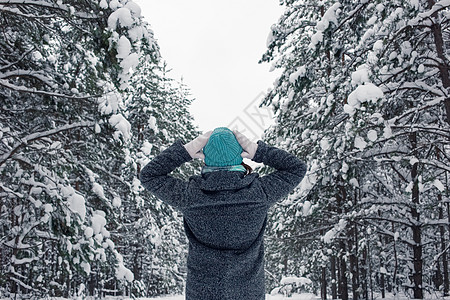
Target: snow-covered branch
(311,234)
(45,4)
(18,60)
(10,191)
(384,150)
(28,73)
(108,173)
(16,241)
(351,15)
(416,109)
(436,163)
(25,89)
(393,235)
(404,221)
(438,6)
(19,13)
(22,284)
(438,222)
(417,85)
(422,127)
(385,201)
(38,135)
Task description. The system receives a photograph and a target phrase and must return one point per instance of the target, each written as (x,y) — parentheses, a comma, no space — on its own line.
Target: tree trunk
(446,282)
(439,44)
(443,249)
(341,197)
(91,282)
(333,277)
(448,217)
(366,273)
(417,262)
(382,278)
(383,290)
(442,236)
(416,227)
(394,276)
(323,290)
(343,285)
(353,248)
(437,278)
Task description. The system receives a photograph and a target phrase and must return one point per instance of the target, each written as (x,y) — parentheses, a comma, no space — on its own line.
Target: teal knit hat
(222,149)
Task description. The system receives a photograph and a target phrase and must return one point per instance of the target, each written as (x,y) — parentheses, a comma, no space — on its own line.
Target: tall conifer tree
(363,99)
(66,146)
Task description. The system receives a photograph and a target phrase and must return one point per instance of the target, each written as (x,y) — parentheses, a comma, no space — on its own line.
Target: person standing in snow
(224,209)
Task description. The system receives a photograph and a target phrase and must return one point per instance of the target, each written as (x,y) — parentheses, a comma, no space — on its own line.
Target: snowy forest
(363,98)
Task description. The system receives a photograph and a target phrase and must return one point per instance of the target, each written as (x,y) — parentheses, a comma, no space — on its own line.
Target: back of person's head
(222,149)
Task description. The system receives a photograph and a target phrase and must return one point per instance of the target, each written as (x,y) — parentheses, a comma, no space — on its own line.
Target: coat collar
(224,180)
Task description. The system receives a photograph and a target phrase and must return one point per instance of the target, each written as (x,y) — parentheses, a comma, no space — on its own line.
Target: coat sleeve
(288,174)
(154,176)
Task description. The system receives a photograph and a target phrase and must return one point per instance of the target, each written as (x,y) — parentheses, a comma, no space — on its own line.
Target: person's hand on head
(194,147)
(249,147)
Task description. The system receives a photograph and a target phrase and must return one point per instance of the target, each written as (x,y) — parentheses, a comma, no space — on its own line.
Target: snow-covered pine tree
(362,99)
(405,55)
(63,142)
(311,44)
(157,109)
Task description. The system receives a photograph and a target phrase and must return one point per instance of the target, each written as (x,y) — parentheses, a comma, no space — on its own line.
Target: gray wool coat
(225,215)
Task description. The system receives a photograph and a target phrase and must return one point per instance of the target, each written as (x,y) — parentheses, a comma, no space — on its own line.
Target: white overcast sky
(215,46)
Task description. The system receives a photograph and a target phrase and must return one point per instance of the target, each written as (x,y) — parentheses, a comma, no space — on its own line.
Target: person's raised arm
(154,176)
(289,169)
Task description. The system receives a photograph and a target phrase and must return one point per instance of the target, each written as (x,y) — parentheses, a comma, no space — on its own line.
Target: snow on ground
(181,297)
(304,296)
(268,297)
